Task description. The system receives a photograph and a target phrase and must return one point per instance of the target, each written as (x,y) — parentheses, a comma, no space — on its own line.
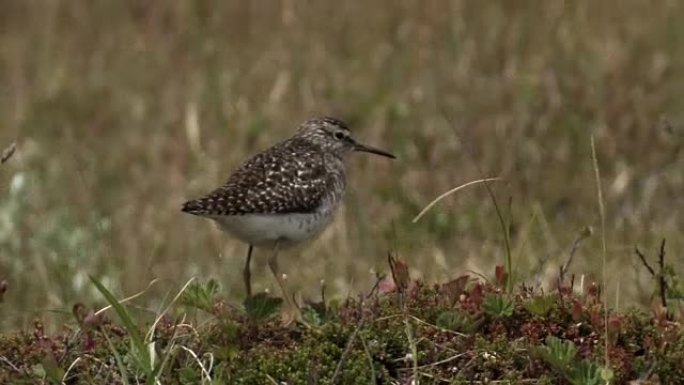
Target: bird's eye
(339,135)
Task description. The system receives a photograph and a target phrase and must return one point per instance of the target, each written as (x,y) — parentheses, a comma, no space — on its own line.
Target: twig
(8,152)
(464,367)
(647,374)
(643,260)
(378,278)
(323,292)
(412,345)
(444,361)
(424,323)
(661,276)
(10,364)
(400,276)
(584,234)
(350,344)
(370,359)
(663,287)
(3,289)
(360,323)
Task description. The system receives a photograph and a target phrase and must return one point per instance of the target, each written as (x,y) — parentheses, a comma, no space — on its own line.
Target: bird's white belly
(266,229)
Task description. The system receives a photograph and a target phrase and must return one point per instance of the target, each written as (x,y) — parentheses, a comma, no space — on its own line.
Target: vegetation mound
(463,331)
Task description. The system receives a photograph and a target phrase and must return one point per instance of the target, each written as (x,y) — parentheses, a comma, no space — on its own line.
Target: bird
(286,194)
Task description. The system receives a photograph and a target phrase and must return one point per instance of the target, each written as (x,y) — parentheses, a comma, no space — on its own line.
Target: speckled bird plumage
(291,177)
(288,192)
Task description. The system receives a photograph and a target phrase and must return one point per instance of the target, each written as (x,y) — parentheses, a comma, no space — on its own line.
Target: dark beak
(364,148)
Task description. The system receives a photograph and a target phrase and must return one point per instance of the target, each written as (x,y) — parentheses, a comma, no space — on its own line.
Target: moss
(315,358)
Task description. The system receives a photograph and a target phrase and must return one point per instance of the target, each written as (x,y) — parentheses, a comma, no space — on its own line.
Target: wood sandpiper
(285,194)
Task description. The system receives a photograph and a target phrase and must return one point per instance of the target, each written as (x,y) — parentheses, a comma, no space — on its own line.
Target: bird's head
(333,135)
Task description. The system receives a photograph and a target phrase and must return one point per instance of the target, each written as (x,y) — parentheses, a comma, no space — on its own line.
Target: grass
(121,110)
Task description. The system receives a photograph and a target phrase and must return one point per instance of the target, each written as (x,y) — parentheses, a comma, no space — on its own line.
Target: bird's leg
(273,265)
(246,273)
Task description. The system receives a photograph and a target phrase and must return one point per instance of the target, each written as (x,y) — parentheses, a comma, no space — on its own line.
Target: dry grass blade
(168,307)
(604,273)
(69,369)
(206,375)
(132,297)
(8,152)
(446,194)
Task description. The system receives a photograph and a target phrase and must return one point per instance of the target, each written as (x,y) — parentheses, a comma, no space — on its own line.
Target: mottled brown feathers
(288,178)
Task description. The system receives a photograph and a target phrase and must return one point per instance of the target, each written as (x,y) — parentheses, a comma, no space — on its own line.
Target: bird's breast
(267,229)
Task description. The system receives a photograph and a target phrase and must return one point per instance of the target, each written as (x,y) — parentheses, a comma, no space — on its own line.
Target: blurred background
(122,110)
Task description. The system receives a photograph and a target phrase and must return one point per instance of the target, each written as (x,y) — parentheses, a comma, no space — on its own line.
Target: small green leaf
(457,321)
(561,356)
(261,307)
(38,370)
(586,373)
(316,313)
(201,295)
(449,320)
(541,305)
(53,372)
(189,376)
(607,375)
(312,317)
(498,306)
(561,352)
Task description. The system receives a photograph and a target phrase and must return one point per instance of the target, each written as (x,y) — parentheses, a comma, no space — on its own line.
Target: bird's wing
(280,181)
